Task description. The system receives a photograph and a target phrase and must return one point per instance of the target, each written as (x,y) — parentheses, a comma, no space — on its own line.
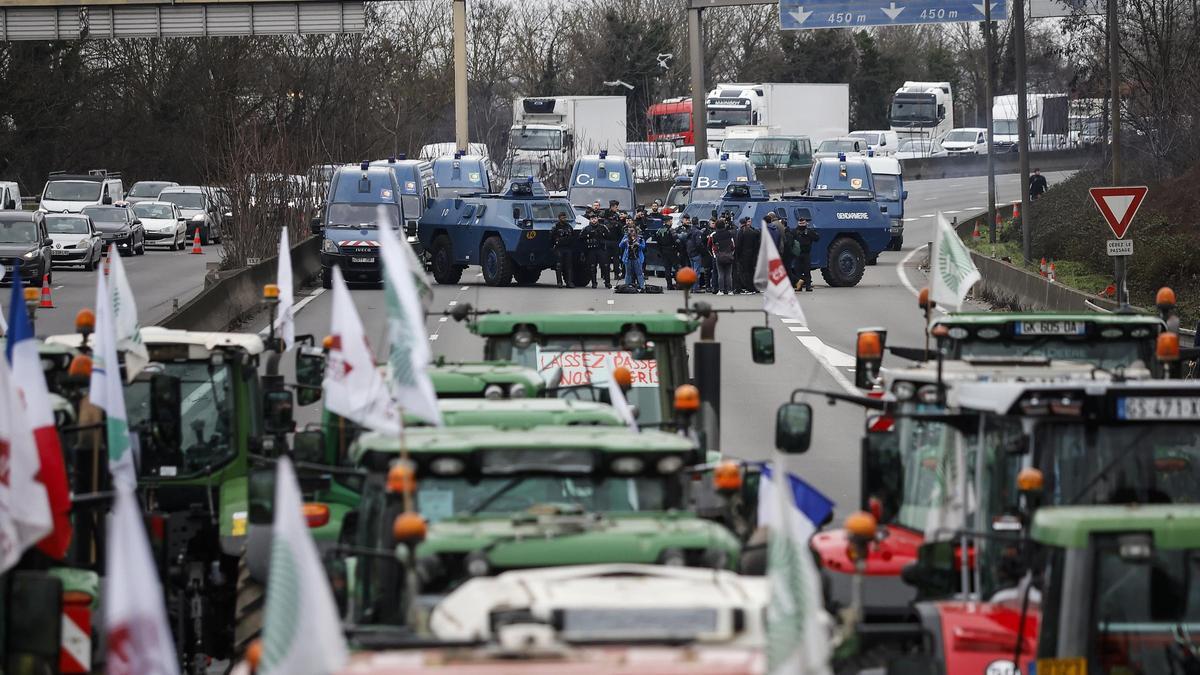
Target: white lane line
(452,303)
(433,337)
(904,276)
(792,321)
(799,329)
(295,309)
(443,319)
(950,213)
(611,302)
(464,288)
(928,215)
(831,360)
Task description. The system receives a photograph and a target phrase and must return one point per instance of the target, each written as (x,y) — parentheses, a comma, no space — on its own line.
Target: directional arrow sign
(812,14)
(1119,205)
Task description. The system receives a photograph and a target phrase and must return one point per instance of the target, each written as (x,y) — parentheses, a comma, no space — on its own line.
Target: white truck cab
(69,193)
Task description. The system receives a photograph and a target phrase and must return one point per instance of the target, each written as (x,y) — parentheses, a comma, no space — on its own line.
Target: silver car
(76,240)
(165,224)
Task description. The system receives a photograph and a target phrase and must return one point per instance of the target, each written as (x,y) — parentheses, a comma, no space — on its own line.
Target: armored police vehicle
(416,187)
(853,231)
(602,178)
(462,175)
(506,234)
(361,199)
(712,176)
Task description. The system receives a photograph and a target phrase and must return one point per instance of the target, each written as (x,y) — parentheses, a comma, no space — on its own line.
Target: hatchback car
(76,240)
(147,190)
(120,227)
(164,224)
(25,246)
(199,207)
(918,148)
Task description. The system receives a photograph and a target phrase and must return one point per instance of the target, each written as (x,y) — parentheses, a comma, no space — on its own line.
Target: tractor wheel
(248,610)
(527,276)
(442,261)
(497,266)
(846,263)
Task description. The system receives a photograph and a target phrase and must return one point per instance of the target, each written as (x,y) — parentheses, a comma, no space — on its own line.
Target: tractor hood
(981,637)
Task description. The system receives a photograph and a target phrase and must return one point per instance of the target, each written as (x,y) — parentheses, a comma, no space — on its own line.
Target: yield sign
(1119,205)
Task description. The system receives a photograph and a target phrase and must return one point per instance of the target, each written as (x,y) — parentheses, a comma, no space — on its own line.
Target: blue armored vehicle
(462,175)
(362,198)
(416,187)
(506,234)
(602,178)
(853,231)
(712,176)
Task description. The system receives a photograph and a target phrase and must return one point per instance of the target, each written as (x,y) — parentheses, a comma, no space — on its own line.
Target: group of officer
(723,254)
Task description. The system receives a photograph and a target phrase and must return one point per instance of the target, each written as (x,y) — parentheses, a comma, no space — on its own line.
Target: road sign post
(1119,205)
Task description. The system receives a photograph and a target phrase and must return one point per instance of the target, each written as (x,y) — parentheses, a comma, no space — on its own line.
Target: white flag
(951,270)
(24,503)
(125,318)
(798,628)
(302,634)
(409,354)
(771,278)
(415,266)
(617,397)
(105,390)
(135,615)
(285,322)
(353,386)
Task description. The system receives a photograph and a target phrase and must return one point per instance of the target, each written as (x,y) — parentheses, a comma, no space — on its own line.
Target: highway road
(819,355)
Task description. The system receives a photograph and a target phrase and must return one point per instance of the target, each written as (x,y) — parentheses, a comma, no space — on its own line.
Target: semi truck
(549,132)
(1048,121)
(818,111)
(671,120)
(922,111)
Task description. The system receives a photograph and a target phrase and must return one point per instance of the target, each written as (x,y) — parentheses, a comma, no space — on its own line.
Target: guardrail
(227,300)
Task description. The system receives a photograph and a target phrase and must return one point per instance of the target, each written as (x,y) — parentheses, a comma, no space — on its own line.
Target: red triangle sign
(1119,205)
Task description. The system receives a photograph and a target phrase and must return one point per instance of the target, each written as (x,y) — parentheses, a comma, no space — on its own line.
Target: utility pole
(460,74)
(1018,9)
(696,55)
(1114,77)
(989,46)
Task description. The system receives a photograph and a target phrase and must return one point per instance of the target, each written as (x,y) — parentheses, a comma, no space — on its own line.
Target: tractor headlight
(672,557)
(493,392)
(477,565)
(518,390)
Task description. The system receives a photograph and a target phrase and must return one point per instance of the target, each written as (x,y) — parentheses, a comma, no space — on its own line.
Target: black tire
(248,609)
(526,276)
(497,266)
(89,265)
(141,249)
(442,261)
(326,277)
(846,263)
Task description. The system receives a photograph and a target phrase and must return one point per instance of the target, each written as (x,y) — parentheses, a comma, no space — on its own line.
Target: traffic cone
(975,233)
(1110,291)
(47,302)
(1016,210)
(1042,268)
(1051,272)
(196,250)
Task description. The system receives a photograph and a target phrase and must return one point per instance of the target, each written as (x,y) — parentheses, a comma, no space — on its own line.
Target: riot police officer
(595,241)
(562,237)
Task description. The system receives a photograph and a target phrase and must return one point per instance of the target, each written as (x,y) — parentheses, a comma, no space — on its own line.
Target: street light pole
(1018,9)
(696,55)
(460,74)
(989,93)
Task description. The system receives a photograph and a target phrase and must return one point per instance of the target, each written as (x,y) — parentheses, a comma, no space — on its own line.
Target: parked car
(76,240)
(147,190)
(25,246)
(883,142)
(199,206)
(163,222)
(118,226)
(918,148)
(781,152)
(70,193)
(846,145)
(966,141)
(10,196)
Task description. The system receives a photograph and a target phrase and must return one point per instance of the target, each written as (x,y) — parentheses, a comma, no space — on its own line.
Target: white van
(69,193)
(10,196)
(966,141)
(883,141)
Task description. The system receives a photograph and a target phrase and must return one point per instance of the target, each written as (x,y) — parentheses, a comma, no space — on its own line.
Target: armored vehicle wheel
(527,276)
(442,261)
(248,612)
(846,264)
(497,266)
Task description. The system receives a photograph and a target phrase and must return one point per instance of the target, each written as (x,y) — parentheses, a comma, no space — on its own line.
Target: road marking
(443,319)
(904,277)
(831,360)
(295,309)
(452,303)
(433,337)
(950,213)
(611,302)
(799,329)
(792,321)
(464,288)
(928,215)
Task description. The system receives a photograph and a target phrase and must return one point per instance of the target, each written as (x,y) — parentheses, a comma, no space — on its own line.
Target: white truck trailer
(549,132)
(1049,121)
(818,111)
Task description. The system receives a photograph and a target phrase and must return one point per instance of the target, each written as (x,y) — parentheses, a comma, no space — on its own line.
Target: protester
(724,251)
(695,249)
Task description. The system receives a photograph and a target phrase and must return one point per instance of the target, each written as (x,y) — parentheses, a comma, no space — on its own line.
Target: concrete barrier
(228,299)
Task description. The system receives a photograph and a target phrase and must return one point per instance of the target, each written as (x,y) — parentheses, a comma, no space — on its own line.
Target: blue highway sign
(814,14)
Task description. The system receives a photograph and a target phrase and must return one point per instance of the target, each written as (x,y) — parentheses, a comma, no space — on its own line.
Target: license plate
(1137,408)
(1075,666)
(1051,328)
(60,252)
(362,260)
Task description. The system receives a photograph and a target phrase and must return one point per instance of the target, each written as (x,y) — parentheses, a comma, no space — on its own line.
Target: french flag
(805,500)
(26,364)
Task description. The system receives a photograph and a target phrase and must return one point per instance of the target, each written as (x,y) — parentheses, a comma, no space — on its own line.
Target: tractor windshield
(502,496)
(1157,463)
(1108,354)
(1147,611)
(206,394)
(921,458)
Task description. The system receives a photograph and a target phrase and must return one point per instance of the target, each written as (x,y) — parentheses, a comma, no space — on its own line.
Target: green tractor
(1116,594)
(498,499)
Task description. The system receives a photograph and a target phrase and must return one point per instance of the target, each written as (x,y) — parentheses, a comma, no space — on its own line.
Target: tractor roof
(1173,526)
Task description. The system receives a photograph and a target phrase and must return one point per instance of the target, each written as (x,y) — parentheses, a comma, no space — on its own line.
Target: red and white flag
(771,278)
(135,615)
(24,507)
(354,387)
(30,379)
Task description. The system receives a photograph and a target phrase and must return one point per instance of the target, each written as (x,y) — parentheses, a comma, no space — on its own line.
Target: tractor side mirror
(904,196)
(310,371)
(933,573)
(762,344)
(309,446)
(260,494)
(793,428)
(166,409)
(278,411)
(35,640)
